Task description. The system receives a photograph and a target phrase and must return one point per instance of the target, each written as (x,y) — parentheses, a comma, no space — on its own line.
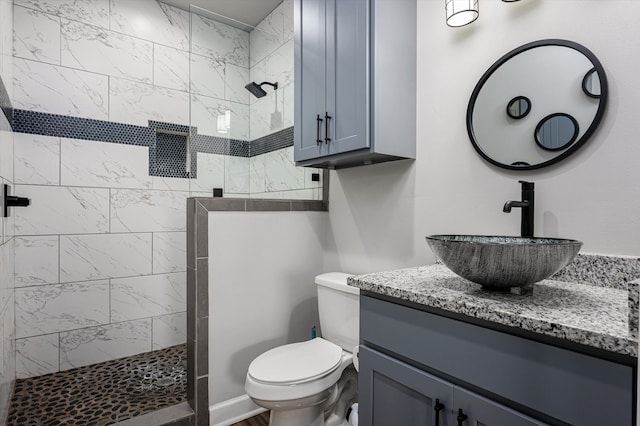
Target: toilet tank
(339,310)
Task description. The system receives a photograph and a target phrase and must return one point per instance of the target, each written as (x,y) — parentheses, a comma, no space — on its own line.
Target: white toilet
(313,383)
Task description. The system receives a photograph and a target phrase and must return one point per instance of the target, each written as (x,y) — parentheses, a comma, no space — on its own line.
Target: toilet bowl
(312,383)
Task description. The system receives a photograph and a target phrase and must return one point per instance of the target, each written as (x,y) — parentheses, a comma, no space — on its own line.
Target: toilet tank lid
(336,280)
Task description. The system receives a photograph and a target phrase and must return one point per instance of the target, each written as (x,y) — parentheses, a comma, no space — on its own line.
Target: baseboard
(228,412)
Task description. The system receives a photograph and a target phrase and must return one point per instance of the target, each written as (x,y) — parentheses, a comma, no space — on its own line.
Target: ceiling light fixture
(461,12)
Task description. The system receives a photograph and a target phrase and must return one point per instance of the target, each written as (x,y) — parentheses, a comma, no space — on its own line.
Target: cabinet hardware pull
(461,417)
(327,117)
(318,122)
(439,406)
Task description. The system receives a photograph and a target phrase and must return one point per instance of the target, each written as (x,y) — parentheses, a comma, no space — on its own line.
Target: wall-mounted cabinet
(355,85)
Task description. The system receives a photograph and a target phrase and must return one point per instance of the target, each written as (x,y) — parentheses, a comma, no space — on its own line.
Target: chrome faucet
(526,204)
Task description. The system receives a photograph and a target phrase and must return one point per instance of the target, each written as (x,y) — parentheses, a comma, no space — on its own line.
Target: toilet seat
(296,363)
(297,370)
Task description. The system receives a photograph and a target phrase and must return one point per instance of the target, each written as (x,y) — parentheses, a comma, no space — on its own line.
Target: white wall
(380,214)
(261,279)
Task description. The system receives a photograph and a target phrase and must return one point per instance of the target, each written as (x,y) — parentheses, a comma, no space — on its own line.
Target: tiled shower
(100,269)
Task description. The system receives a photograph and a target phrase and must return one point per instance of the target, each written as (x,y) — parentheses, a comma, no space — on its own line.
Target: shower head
(257,90)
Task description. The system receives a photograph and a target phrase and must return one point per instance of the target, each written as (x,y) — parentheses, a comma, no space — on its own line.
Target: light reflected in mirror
(519,107)
(556,132)
(537,104)
(591,84)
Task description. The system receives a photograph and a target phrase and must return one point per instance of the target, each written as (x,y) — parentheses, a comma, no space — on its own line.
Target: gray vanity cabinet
(395,393)
(410,357)
(355,80)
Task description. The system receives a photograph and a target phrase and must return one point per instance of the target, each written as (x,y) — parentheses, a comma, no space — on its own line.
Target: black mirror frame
(524,114)
(597,67)
(576,130)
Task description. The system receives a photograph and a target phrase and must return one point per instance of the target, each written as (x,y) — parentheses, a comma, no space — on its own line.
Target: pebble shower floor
(102,394)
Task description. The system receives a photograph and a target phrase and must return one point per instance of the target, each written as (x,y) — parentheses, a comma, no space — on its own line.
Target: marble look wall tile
(288,106)
(7,355)
(210,173)
(207,76)
(267,36)
(89,257)
(57,307)
(62,210)
(6,152)
(104,343)
(279,64)
(281,172)
(236,78)
(102,164)
(136,103)
(36,159)
(102,51)
(94,12)
(36,356)
(170,184)
(148,211)
(207,112)
(219,41)
(153,295)
(287,13)
(56,90)
(169,330)
(36,260)
(170,68)
(236,175)
(7,281)
(169,252)
(151,20)
(267,115)
(257,178)
(36,35)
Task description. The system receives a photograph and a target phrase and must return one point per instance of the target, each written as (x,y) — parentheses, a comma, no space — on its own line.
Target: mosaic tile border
(198,285)
(46,124)
(167,152)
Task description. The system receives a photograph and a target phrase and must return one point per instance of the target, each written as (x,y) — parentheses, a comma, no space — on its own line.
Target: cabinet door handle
(461,417)
(439,406)
(327,117)
(318,123)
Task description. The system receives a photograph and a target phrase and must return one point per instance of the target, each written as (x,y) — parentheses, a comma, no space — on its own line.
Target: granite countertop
(602,316)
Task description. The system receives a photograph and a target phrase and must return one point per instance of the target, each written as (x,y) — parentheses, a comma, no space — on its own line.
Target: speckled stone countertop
(600,315)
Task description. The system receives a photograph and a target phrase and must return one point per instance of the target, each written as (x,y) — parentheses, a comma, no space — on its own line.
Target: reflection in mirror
(519,107)
(591,84)
(556,132)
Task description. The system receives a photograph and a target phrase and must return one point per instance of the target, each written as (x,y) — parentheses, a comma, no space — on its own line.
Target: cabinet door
(393,393)
(484,412)
(310,78)
(348,82)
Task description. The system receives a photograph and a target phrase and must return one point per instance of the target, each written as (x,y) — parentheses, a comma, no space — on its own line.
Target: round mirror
(591,84)
(556,132)
(519,107)
(554,92)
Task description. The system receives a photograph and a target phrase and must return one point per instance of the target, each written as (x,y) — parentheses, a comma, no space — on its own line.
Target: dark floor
(104,393)
(259,420)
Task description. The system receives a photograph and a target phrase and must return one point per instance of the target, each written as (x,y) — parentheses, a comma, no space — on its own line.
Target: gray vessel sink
(501,262)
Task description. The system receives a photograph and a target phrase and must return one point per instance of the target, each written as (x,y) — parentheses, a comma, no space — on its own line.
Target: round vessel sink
(498,262)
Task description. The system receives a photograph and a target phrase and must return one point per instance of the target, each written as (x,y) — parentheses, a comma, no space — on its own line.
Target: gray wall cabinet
(410,358)
(355,82)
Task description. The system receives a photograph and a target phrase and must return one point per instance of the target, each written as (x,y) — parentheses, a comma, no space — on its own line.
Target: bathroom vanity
(437,349)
